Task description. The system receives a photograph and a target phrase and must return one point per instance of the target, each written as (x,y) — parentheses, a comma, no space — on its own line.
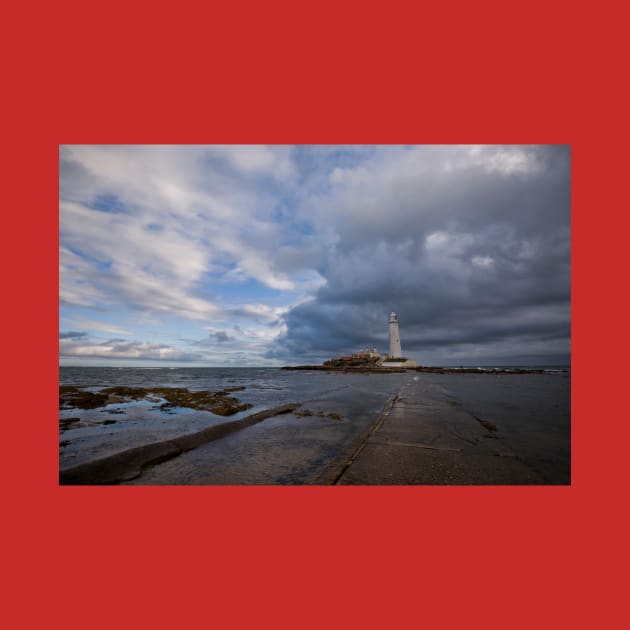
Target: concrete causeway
(426,438)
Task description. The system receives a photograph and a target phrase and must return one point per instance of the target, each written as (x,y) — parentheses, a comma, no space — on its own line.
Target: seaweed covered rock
(219,402)
(75,397)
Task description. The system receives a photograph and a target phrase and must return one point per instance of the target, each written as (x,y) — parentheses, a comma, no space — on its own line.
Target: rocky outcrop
(220,402)
(352,362)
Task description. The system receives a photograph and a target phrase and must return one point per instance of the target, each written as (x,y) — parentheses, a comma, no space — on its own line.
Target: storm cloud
(71,334)
(469,245)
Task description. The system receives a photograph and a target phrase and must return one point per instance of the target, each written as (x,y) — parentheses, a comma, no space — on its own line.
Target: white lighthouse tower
(394,337)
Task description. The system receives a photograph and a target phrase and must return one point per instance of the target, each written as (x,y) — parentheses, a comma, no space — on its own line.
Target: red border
(312,557)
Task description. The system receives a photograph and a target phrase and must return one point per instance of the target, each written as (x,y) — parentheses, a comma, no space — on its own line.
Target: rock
(65,423)
(303,412)
(73,397)
(228,409)
(220,402)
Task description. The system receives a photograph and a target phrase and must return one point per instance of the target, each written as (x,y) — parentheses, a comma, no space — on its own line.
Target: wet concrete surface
(130,462)
(429,438)
(290,449)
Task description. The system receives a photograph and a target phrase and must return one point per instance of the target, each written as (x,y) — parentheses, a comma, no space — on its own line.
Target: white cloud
(88,324)
(349,175)
(119,349)
(508,161)
(482,261)
(275,161)
(177,217)
(74,286)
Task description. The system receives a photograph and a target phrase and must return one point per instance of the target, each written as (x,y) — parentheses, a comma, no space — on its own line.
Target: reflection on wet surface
(523,416)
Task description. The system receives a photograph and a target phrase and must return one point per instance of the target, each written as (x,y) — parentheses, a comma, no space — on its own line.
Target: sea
(531,411)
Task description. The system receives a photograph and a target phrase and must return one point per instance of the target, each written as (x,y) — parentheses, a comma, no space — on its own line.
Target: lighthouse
(394,337)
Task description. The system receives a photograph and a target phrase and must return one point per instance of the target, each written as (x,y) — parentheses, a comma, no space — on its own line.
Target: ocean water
(531,412)
(264,387)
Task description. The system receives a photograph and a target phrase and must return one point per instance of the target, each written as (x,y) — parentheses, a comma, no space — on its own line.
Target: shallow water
(266,387)
(106,430)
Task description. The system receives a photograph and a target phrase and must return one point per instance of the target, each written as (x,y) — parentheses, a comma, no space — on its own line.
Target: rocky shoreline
(220,402)
(128,460)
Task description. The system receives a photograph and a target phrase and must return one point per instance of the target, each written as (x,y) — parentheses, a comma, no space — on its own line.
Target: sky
(282,255)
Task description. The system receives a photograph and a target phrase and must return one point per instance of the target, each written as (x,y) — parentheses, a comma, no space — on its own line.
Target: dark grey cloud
(471,247)
(221,337)
(72,334)
(214,338)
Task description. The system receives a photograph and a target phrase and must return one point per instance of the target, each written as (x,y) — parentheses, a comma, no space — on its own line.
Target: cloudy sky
(277,255)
